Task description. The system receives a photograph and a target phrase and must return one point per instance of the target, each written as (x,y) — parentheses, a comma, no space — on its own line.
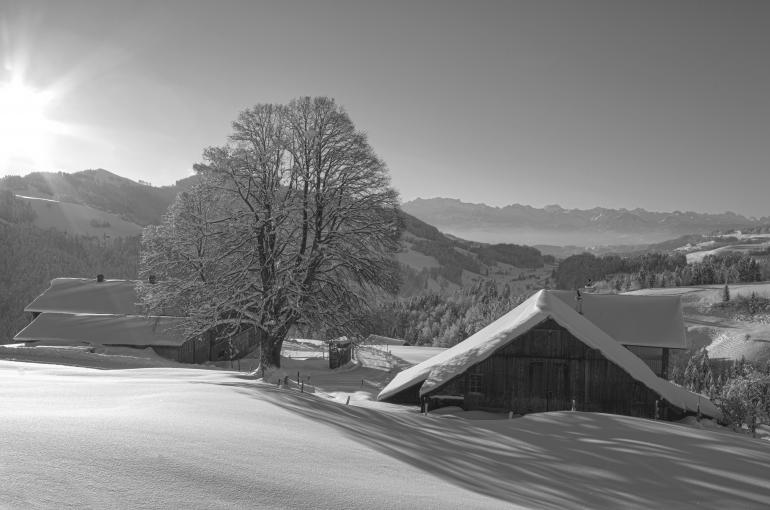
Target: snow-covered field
(180,437)
(185,438)
(414,353)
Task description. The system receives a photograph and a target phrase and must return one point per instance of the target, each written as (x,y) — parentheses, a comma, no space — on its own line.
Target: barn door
(549,385)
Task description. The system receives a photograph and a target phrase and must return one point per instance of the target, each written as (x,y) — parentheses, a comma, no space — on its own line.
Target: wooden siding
(167,352)
(546,369)
(194,350)
(234,347)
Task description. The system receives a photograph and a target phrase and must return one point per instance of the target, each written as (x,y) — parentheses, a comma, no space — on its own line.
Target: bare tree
(293,222)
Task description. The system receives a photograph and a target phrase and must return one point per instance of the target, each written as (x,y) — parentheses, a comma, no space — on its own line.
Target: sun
(25,130)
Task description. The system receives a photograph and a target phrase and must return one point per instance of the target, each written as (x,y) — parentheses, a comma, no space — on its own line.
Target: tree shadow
(556,460)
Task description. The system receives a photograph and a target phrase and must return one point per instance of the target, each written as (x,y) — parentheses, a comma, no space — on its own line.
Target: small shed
(340,352)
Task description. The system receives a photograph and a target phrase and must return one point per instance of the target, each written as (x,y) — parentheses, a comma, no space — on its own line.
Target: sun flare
(25,130)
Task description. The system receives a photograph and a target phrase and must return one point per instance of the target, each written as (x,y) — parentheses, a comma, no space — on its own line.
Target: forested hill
(432,260)
(135,202)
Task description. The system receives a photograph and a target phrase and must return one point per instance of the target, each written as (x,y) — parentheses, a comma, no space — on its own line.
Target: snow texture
(185,438)
(72,437)
(541,306)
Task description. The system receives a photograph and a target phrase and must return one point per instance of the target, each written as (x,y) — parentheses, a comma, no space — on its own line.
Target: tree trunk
(269,349)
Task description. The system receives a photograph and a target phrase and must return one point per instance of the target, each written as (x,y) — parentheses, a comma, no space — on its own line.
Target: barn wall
(202,351)
(544,370)
(167,352)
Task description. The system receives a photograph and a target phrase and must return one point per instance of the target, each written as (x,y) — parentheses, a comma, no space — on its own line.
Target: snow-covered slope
(187,438)
(180,438)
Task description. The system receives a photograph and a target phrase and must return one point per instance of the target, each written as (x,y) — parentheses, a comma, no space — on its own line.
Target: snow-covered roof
(439,369)
(654,321)
(130,330)
(85,295)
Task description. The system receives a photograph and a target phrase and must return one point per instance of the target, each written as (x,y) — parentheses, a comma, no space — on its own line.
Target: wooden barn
(545,355)
(88,312)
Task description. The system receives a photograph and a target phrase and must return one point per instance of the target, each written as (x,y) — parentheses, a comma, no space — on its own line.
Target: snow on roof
(654,321)
(85,295)
(127,330)
(439,369)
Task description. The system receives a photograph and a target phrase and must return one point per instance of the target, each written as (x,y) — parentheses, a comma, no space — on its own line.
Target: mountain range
(554,225)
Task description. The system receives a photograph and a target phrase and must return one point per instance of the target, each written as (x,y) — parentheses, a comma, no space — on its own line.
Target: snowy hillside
(193,438)
(78,219)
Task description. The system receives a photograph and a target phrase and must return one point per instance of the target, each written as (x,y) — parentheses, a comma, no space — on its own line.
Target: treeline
(31,257)
(576,270)
(512,254)
(657,270)
(443,320)
(99,189)
(14,210)
(741,389)
(452,261)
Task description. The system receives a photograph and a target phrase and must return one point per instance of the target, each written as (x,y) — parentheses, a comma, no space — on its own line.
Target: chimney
(152,279)
(579,299)
(99,278)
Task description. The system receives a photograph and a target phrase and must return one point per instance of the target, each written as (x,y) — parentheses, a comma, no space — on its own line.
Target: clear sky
(657,104)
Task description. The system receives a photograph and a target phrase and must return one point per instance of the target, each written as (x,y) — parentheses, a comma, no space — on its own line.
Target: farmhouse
(87,312)
(546,355)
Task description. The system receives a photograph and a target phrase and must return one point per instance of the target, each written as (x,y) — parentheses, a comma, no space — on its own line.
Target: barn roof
(88,329)
(85,295)
(439,369)
(654,321)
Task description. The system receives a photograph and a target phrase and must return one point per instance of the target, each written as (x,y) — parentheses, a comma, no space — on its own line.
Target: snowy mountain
(554,225)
